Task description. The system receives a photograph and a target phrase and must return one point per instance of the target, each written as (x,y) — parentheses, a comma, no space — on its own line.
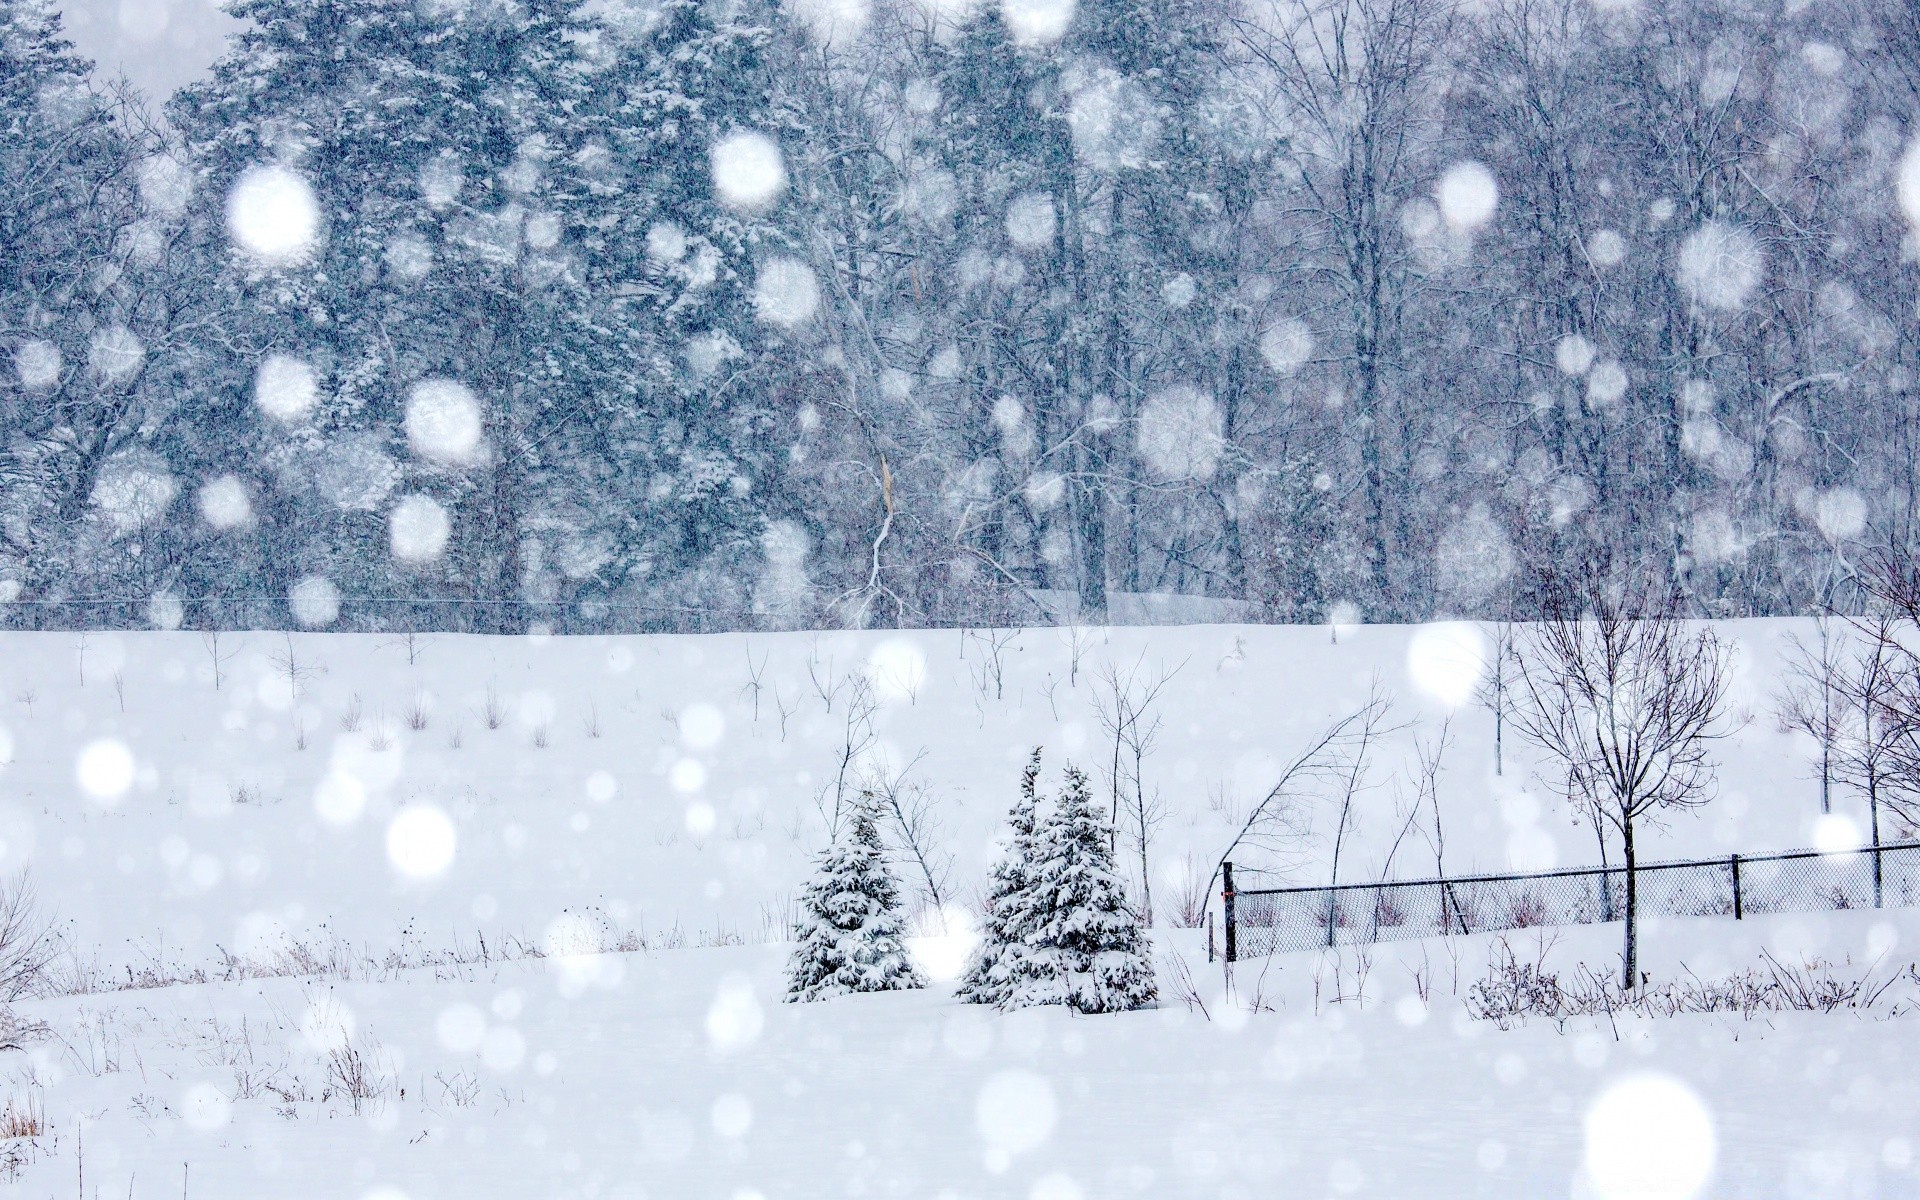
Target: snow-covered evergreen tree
(1088,933)
(1005,961)
(849,933)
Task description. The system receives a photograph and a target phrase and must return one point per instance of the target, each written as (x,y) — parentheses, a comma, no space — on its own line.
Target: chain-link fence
(1271,920)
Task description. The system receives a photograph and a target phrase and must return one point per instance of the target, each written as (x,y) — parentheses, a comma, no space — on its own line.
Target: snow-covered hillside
(446,798)
(676,782)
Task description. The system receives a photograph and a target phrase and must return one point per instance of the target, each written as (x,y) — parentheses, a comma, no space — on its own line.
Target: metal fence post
(1226,898)
(1739,912)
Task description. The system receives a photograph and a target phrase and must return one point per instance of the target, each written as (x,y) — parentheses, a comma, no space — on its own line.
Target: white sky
(159,44)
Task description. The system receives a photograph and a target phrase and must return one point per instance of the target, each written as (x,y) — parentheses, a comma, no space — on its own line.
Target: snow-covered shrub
(850,929)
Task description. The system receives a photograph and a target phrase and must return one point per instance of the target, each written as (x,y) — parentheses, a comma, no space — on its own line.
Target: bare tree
(1494,688)
(857,737)
(1124,704)
(908,804)
(1866,748)
(1810,697)
(1618,691)
(1275,823)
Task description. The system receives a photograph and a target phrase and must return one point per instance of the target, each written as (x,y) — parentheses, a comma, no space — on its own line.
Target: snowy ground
(679,1074)
(628,786)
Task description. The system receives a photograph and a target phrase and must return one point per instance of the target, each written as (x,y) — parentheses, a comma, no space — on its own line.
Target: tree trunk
(1630,959)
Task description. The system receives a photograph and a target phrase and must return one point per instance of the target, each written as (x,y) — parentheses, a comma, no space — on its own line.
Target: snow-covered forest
(621,316)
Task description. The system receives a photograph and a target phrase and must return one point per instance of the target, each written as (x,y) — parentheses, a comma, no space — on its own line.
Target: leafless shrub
(417,715)
(360,1073)
(350,719)
(1191,898)
(1515,990)
(492,711)
(1174,969)
(540,737)
(456,738)
(28,943)
(27,696)
(592,723)
(989,671)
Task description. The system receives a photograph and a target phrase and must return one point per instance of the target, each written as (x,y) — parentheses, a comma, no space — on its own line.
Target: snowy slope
(162,817)
(689,809)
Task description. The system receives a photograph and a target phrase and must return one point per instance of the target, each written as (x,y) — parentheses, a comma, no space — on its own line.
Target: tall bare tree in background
(1624,696)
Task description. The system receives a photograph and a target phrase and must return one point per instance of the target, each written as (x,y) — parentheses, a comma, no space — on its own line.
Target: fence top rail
(1577,872)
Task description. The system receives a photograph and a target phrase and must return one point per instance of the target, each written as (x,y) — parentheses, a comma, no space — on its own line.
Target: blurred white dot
(1908,184)
(701,819)
(503,1049)
(1037,22)
(1015,1112)
(1056,1186)
(38,365)
(205,1107)
(1897,1153)
(272,214)
(601,787)
(732,1116)
(896,669)
(285,388)
(941,941)
(314,601)
(327,1024)
(1410,1011)
(786,293)
(1287,345)
(443,422)
(687,775)
(734,1019)
(421,841)
(224,503)
(460,1028)
(418,529)
(340,798)
(1467,195)
(702,726)
(1492,1155)
(1447,661)
(1648,1137)
(105,770)
(748,170)
(386,1192)
(1835,834)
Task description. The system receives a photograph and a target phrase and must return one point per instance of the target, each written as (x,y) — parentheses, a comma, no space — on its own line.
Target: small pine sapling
(1004,961)
(1089,934)
(850,928)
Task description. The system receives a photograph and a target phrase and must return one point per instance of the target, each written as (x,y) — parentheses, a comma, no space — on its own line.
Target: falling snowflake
(224,504)
(443,422)
(273,216)
(748,170)
(1181,434)
(786,293)
(418,529)
(1036,23)
(1467,195)
(116,354)
(38,364)
(315,601)
(1720,265)
(285,388)
(1031,220)
(1287,345)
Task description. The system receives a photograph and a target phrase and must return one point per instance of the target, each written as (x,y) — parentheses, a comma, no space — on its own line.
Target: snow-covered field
(341,792)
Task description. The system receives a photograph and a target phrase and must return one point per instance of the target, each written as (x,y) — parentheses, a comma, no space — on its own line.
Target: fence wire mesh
(1276,920)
